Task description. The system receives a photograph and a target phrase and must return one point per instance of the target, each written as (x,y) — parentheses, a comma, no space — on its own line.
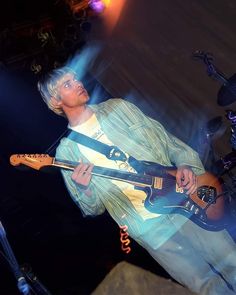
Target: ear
(55,102)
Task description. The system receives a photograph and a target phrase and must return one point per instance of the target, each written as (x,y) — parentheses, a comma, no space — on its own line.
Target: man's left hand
(186,179)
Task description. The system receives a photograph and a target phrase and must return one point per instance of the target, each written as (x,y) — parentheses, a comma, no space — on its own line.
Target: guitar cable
(125,241)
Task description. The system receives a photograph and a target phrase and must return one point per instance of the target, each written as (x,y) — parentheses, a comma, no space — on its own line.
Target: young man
(204,261)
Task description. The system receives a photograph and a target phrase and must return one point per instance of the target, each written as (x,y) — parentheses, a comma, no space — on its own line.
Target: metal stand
(27,283)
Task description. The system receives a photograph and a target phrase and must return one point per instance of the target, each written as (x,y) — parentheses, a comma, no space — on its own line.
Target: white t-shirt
(93,129)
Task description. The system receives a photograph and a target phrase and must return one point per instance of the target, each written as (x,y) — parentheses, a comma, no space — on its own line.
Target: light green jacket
(138,135)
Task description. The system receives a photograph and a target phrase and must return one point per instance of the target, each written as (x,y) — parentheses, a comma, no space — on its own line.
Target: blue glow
(83,61)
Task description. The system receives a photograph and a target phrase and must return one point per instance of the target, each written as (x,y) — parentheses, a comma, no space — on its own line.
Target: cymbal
(227,93)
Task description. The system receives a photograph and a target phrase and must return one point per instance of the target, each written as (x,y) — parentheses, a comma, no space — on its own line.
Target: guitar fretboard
(109,173)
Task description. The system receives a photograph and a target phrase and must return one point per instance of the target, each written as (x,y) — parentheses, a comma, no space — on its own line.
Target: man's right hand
(82,175)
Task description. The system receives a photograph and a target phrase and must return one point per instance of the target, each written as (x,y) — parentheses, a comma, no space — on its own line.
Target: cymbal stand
(231,115)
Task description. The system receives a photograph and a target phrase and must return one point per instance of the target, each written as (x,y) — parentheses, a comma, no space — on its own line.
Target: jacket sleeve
(179,153)
(160,139)
(89,205)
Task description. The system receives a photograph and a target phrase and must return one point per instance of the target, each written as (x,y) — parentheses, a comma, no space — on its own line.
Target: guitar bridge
(207,194)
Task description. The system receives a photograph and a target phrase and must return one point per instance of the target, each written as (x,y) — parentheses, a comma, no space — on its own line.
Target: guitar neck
(133,178)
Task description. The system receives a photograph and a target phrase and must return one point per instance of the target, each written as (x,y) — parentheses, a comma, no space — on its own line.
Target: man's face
(71,91)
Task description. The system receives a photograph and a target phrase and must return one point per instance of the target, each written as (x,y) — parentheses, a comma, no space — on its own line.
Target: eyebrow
(63,83)
(68,80)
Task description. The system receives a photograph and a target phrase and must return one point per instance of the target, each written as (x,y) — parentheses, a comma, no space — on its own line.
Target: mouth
(81,92)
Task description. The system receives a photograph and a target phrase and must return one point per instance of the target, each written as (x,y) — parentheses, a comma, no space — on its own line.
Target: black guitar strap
(111,152)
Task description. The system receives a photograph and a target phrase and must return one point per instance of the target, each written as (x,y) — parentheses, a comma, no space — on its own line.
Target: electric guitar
(205,207)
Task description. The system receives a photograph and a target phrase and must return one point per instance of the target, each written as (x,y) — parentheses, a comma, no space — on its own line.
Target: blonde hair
(47,87)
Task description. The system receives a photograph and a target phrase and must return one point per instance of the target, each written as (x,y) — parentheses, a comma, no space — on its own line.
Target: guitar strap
(111,152)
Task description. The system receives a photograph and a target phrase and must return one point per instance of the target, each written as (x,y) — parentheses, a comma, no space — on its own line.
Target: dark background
(148,61)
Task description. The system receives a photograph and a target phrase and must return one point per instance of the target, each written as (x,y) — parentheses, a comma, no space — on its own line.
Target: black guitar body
(171,202)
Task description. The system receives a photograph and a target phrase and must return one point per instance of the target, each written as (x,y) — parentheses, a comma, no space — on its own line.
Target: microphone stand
(21,281)
(27,281)
(35,283)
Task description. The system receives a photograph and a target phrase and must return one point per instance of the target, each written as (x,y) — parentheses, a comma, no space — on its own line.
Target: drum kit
(222,167)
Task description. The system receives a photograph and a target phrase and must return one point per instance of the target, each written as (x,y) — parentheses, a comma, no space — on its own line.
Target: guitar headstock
(35,161)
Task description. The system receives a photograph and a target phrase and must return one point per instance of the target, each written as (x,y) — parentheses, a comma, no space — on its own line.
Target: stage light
(106,2)
(45,36)
(35,67)
(112,13)
(76,5)
(99,5)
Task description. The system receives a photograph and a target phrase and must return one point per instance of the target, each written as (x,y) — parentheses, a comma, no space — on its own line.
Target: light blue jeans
(203,261)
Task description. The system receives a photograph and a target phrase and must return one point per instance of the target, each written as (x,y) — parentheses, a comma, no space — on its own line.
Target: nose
(78,84)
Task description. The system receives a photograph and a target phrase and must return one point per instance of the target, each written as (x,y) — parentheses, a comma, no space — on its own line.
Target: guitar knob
(192,208)
(188,204)
(196,211)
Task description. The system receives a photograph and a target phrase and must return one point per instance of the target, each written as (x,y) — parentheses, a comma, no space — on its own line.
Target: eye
(67,85)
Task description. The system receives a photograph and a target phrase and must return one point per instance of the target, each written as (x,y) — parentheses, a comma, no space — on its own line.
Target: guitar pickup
(158,183)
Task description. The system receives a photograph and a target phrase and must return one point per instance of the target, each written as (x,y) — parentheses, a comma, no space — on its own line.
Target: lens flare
(112,13)
(106,2)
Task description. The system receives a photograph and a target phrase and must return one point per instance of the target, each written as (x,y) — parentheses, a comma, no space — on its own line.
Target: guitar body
(205,207)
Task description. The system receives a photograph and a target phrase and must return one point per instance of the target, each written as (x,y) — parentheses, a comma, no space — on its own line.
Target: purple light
(97,5)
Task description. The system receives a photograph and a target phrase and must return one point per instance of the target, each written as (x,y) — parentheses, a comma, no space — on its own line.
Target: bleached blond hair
(47,87)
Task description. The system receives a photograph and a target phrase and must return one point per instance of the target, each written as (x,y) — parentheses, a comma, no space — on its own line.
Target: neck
(79,115)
